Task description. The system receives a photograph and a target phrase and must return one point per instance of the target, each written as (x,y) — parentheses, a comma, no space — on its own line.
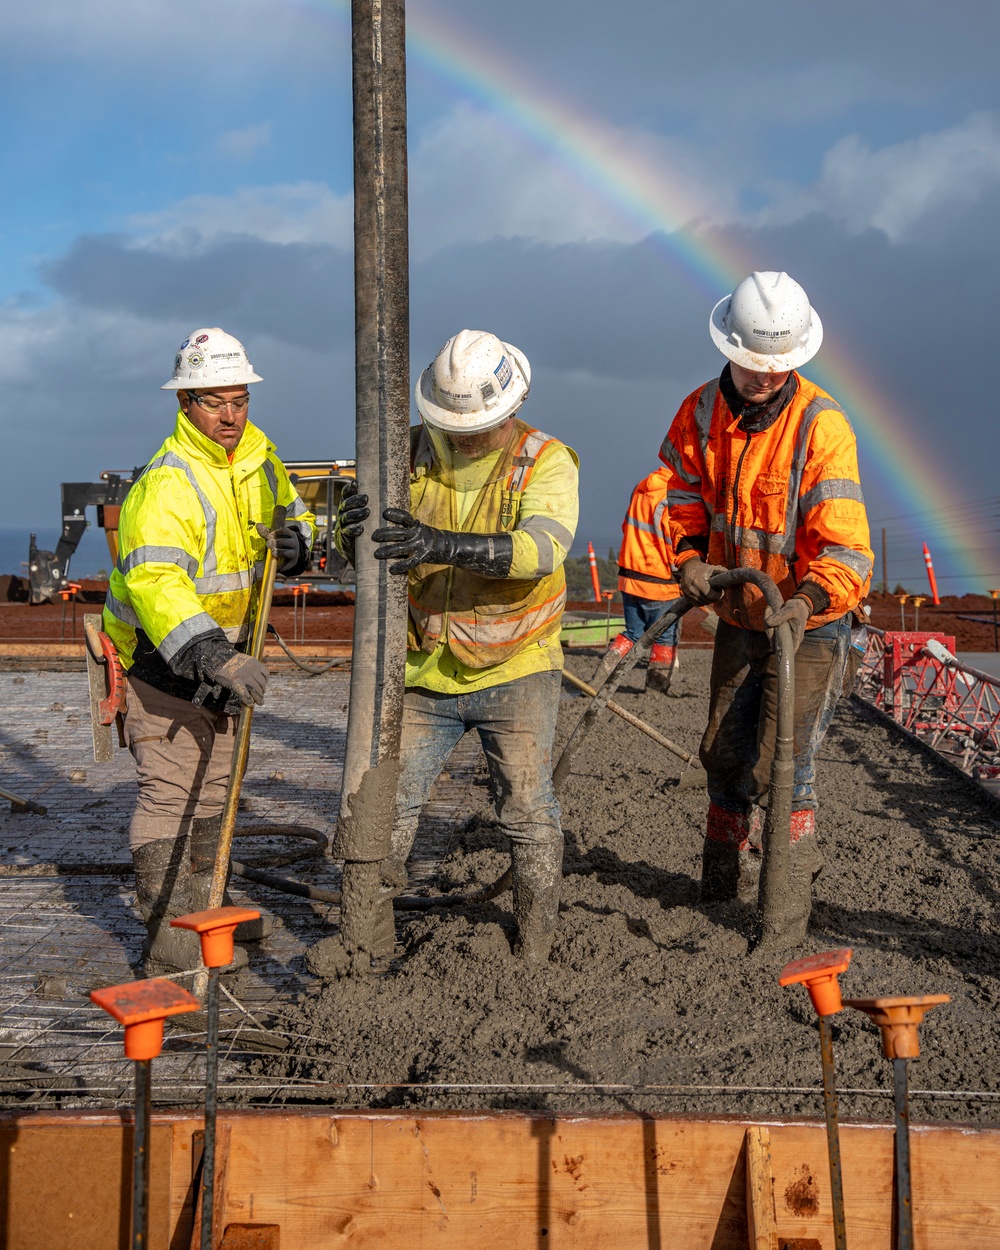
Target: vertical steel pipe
(140,1155)
(211,1110)
(382,382)
(904,1203)
(832,1133)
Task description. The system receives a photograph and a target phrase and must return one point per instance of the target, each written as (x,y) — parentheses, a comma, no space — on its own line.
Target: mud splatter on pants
(739,742)
(516,724)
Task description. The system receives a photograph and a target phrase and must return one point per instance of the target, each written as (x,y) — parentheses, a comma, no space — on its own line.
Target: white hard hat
(474,383)
(767,325)
(210,357)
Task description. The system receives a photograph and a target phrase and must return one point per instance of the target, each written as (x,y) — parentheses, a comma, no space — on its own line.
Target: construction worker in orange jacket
(646,582)
(764,474)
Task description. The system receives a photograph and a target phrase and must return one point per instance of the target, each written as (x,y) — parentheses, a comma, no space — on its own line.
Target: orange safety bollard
(898,1019)
(142,1006)
(68,594)
(215,927)
(819,973)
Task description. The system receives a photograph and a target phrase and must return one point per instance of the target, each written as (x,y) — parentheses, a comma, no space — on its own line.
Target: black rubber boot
(658,677)
(537,877)
(204,842)
(728,873)
(163,891)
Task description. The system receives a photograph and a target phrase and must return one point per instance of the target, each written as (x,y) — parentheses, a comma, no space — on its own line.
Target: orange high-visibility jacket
(646,552)
(786,500)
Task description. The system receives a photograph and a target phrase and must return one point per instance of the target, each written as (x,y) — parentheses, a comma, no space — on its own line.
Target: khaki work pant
(183,756)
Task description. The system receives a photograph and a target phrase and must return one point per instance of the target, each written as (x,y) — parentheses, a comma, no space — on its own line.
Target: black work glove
(693,579)
(286,544)
(488,554)
(352,512)
(244,675)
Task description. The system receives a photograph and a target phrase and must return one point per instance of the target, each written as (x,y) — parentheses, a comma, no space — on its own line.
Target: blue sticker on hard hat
(182,346)
(196,360)
(503,373)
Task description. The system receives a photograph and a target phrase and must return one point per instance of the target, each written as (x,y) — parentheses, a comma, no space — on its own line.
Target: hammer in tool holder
(898,1020)
(107,688)
(818,973)
(215,927)
(142,1006)
(241,746)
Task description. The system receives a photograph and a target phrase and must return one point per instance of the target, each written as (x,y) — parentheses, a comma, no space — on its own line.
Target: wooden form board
(449,1181)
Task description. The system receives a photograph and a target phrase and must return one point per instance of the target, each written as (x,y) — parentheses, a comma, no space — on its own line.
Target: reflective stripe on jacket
(786,500)
(485,621)
(190,557)
(647,552)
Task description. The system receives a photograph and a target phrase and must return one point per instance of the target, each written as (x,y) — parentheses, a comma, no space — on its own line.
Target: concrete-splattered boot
(730,864)
(619,646)
(163,891)
(537,876)
(205,833)
(660,671)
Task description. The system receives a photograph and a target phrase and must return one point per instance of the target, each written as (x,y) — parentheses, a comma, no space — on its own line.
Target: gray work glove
(693,579)
(245,676)
(352,512)
(285,545)
(795,611)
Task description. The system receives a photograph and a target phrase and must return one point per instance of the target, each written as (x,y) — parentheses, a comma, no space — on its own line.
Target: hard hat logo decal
(202,338)
(177,361)
(504,373)
(195,360)
(181,348)
(487,390)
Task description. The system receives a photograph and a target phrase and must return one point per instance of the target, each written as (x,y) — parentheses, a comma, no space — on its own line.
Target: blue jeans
(641,613)
(516,723)
(742,719)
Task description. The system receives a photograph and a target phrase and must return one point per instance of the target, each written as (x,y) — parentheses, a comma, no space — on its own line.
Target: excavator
(320,483)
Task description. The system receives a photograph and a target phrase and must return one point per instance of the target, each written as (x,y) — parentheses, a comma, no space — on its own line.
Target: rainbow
(659,202)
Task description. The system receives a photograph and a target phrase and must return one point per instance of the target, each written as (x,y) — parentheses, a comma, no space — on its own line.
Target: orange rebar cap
(818,973)
(898,1019)
(142,1006)
(215,928)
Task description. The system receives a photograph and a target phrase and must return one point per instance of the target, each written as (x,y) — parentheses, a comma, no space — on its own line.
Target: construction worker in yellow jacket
(180,610)
(493,511)
(646,581)
(764,475)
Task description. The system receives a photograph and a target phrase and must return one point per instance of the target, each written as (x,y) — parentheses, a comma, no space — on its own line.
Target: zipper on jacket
(736,493)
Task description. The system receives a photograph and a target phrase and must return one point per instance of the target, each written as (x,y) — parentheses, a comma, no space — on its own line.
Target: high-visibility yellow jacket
(647,550)
(786,500)
(190,557)
(466,631)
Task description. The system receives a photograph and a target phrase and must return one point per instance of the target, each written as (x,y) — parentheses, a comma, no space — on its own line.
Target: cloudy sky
(585,180)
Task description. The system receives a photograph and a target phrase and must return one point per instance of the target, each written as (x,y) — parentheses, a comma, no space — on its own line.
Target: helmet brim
(757,362)
(244,380)
(472,422)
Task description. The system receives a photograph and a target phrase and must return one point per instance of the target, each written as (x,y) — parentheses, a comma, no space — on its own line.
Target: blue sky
(172,165)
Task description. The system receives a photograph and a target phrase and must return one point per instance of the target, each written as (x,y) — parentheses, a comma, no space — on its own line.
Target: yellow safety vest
(484,620)
(190,557)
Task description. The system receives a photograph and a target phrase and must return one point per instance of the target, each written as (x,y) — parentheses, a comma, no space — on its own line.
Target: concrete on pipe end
(215,927)
(898,1019)
(142,1006)
(818,973)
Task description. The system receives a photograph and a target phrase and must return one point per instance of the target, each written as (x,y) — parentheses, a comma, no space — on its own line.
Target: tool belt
(107,688)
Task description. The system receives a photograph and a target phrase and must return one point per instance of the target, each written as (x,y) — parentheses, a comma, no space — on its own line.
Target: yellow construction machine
(320,483)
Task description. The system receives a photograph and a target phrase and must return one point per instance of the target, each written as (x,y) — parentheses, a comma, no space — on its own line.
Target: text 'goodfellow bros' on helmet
(474,383)
(767,325)
(210,357)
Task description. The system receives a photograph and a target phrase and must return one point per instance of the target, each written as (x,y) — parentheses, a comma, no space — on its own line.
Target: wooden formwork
(448,1180)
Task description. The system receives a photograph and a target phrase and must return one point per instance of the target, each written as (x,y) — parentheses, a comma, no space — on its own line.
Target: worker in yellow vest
(180,610)
(493,511)
(646,582)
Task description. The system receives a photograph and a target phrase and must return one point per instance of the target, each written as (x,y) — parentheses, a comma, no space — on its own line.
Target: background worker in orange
(764,474)
(646,581)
